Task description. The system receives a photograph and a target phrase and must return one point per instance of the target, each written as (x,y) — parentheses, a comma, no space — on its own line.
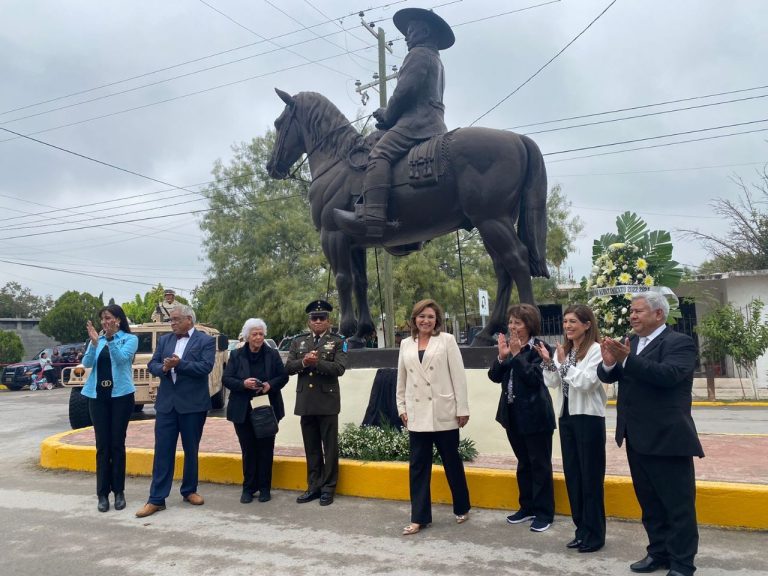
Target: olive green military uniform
(163,311)
(318,402)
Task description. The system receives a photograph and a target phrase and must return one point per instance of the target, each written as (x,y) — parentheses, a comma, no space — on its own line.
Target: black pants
(258,454)
(582,439)
(321,445)
(420,472)
(110,423)
(534,471)
(665,487)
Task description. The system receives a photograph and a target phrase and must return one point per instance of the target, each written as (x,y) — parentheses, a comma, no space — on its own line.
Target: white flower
(623,309)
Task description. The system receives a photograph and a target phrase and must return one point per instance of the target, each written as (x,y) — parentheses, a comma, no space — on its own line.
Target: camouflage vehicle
(146,384)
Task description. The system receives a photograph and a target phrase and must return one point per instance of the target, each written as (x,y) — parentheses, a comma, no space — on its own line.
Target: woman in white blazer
(580,407)
(432,403)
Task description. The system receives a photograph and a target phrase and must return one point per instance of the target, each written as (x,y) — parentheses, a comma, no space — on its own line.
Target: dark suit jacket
(654,404)
(532,403)
(317,388)
(190,391)
(238,369)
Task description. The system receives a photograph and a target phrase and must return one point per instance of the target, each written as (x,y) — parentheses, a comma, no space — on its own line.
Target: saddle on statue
(426,165)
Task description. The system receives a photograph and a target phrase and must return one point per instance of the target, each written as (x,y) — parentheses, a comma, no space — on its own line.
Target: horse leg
(510,262)
(360,289)
(336,248)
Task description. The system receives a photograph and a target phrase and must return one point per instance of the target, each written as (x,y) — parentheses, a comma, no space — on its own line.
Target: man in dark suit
(182,360)
(654,368)
(319,357)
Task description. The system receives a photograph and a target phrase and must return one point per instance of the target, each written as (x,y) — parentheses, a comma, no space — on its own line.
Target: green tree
(745,246)
(140,309)
(743,337)
(17,301)
(66,320)
(563,228)
(264,253)
(11,347)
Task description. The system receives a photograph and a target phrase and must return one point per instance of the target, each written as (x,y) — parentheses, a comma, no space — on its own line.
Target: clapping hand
(92,334)
(613,351)
(543,352)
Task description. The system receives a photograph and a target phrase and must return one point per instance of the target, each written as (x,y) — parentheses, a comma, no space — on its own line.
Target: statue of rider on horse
(413,114)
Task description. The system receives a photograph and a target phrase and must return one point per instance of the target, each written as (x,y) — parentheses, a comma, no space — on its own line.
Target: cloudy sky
(163,89)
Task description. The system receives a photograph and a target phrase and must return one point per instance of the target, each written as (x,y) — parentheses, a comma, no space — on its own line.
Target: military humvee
(146,384)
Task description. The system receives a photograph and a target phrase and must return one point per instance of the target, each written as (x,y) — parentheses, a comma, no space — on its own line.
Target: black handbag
(263,422)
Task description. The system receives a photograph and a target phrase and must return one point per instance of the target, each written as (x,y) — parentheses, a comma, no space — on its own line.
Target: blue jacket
(190,391)
(121,351)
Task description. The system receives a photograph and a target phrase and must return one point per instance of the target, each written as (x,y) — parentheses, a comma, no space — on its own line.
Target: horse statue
(492,180)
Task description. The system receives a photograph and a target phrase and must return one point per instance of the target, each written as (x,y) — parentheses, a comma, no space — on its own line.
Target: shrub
(388,444)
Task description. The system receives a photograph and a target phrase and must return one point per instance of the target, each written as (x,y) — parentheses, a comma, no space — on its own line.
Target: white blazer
(433,393)
(586,394)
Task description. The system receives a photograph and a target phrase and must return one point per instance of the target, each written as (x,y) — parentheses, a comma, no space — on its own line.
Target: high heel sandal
(413,528)
(461,518)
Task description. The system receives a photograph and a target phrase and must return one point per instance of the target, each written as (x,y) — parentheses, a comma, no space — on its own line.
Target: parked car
(17,376)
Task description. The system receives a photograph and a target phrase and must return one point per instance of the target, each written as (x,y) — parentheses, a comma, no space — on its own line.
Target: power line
(192,61)
(657,145)
(699,130)
(532,76)
(660,170)
(180,97)
(484,18)
(636,116)
(628,109)
(112,278)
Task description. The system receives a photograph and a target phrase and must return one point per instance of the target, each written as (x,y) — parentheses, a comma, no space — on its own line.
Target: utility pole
(386,258)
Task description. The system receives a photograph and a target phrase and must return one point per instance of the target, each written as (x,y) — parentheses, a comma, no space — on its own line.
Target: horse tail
(532,224)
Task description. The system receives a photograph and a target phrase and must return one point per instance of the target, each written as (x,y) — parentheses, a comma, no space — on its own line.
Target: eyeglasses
(318,318)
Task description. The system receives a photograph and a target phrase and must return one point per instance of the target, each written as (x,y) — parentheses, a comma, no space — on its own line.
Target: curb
(718,403)
(731,505)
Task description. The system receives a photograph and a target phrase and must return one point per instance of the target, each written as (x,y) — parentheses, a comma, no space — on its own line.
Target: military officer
(319,357)
(163,310)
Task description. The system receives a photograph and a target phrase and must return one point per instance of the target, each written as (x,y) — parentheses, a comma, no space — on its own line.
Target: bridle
(281,136)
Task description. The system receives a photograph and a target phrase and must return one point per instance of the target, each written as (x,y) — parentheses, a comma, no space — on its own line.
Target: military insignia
(303,346)
(329,346)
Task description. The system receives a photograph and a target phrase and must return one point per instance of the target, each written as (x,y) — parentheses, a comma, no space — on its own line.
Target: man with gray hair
(182,360)
(654,369)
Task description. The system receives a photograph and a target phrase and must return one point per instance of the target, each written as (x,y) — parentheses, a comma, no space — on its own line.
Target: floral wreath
(633,261)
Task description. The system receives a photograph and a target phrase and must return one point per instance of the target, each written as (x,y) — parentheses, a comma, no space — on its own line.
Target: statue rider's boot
(369,218)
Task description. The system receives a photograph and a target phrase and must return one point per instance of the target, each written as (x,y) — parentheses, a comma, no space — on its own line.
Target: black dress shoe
(103,504)
(246,497)
(587,549)
(119,500)
(307,497)
(675,573)
(575,543)
(648,564)
(326,499)
(264,496)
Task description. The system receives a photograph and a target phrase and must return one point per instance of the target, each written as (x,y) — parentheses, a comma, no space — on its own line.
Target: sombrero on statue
(440,27)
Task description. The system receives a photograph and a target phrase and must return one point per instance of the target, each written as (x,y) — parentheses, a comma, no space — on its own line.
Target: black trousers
(534,471)
(582,439)
(258,454)
(321,446)
(420,472)
(665,487)
(110,423)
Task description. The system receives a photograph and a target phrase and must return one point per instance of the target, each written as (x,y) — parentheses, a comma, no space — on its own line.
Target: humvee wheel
(79,416)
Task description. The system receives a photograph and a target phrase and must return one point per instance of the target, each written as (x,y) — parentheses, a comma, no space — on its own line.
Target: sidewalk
(732,480)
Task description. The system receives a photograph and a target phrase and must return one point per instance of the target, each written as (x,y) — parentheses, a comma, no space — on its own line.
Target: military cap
(169,291)
(442,31)
(318,307)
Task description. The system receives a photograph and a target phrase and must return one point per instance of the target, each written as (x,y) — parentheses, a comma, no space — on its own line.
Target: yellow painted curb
(718,403)
(3,387)
(718,503)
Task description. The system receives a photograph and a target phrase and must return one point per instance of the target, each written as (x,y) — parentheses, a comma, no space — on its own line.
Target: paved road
(51,526)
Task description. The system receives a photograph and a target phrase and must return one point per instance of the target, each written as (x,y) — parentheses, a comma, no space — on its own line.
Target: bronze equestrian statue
(492,180)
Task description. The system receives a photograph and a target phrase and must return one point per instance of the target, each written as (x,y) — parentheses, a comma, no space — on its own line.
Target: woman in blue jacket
(110,391)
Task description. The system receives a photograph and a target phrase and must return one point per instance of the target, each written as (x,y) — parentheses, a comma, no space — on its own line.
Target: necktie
(642,344)
(317,341)
(180,336)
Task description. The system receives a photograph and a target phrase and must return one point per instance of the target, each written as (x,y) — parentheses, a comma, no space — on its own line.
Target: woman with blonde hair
(432,403)
(581,402)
